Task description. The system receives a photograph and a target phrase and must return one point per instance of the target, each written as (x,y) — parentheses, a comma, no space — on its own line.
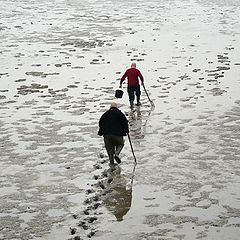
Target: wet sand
(60,66)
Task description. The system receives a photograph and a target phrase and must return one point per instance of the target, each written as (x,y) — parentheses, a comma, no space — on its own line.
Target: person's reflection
(135,122)
(118,200)
(137,125)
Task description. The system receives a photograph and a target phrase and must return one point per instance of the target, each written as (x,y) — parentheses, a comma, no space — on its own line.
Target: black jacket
(113,122)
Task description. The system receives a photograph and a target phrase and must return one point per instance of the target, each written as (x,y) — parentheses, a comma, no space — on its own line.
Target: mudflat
(60,64)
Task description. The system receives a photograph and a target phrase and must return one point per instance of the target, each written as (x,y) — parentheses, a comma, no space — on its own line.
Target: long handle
(135,160)
(133,173)
(147,94)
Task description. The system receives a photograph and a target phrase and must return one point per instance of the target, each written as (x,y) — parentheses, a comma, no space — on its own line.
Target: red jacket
(132,75)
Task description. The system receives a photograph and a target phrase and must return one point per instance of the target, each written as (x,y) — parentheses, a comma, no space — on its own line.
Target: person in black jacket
(113,125)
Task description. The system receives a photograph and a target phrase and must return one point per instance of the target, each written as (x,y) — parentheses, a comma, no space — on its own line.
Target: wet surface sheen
(60,65)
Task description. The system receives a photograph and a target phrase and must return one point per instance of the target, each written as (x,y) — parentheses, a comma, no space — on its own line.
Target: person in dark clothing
(133,75)
(113,125)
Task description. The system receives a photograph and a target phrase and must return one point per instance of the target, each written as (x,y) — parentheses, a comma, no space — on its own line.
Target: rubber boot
(131,104)
(111,159)
(138,101)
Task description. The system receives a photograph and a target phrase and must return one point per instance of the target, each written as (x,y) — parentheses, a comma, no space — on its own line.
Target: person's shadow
(119,198)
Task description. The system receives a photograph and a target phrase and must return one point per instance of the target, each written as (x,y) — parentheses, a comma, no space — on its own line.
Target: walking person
(133,75)
(113,125)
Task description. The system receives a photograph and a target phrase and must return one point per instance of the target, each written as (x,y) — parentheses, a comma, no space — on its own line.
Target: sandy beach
(60,64)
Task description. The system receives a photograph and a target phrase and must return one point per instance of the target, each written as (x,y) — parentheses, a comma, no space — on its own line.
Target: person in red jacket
(113,125)
(133,75)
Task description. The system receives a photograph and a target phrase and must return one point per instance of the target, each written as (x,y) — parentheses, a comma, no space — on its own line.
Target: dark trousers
(132,90)
(113,145)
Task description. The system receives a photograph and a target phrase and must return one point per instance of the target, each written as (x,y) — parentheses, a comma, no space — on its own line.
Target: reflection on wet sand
(119,200)
(138,122)
(56,79)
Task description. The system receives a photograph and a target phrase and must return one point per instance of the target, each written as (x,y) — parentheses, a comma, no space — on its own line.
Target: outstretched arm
(124,124)
(141,77)
(122,79)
